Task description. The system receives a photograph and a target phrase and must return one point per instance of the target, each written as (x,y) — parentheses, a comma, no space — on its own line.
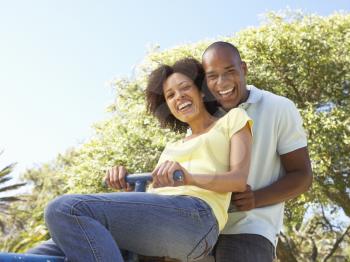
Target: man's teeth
(226,91)
(182,106)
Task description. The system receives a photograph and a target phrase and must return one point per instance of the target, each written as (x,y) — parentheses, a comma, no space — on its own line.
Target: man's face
(225,76)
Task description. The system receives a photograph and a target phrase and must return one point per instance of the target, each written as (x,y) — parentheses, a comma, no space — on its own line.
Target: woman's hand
(115,178)
(163,175)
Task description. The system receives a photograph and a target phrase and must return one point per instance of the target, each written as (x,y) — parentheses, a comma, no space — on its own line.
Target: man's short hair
(223,45)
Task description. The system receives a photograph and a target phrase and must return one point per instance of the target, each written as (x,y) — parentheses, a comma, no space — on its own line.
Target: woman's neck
(201,124)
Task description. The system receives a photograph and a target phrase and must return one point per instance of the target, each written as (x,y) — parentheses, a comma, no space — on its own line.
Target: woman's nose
(179,95)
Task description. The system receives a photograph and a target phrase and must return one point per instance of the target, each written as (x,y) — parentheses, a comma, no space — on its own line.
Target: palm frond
(9,199)
(12,187)
(5,179)
(7,170)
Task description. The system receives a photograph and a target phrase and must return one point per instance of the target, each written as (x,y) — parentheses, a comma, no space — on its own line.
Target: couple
(182,220)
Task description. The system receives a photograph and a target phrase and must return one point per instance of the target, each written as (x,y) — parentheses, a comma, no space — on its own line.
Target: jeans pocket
(205,245)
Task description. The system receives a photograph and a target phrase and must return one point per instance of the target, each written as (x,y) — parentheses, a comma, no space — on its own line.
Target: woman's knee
(61,204)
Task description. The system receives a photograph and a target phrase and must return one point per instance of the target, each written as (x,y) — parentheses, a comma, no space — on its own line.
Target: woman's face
(183,97)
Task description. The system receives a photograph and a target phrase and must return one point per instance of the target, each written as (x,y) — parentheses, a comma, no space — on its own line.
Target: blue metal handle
(143,178)
(11,257)
(133,178)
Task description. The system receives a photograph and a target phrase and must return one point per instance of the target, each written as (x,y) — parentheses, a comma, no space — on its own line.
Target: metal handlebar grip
(147,177)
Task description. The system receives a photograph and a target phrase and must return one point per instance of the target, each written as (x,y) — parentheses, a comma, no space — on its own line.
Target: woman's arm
(234,180)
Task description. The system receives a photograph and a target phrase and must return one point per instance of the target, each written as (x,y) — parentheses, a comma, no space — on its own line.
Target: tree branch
(336,244)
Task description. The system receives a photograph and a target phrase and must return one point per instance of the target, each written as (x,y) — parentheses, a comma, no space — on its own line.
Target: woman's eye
(186,87)
(169,96)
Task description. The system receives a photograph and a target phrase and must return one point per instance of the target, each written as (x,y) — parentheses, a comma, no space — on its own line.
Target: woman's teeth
(226,92)
(184,105)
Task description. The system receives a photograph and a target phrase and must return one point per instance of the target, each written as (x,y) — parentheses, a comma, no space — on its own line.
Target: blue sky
(57,57)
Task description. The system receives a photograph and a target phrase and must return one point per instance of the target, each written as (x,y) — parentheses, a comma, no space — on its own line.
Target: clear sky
(56,58)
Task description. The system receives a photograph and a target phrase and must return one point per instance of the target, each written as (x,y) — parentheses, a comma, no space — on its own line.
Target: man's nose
(221,79)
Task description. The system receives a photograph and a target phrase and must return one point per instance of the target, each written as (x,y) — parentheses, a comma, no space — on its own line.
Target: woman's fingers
(115,178)
(170,173)
(162,169)
(121,176)
(155,180)
(166,181)
(163,175)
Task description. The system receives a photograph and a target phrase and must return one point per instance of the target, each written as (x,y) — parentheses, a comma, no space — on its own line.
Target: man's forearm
(289,186)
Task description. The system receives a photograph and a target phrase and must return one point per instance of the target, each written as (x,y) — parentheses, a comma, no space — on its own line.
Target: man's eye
(211,77)
(186,87)
(231,71)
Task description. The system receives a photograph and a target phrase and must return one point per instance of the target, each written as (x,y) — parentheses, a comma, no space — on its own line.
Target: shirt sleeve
(291,134)
(237,118)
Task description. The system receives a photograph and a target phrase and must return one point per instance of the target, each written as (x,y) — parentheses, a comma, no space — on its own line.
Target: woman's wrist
(189,179)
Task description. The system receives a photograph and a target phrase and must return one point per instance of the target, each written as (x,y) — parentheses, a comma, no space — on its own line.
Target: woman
(180,220)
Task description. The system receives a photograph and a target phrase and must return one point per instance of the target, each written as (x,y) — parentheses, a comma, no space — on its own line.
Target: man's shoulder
(274,101)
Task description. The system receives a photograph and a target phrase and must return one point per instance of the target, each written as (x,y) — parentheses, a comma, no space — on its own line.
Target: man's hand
(115,178)
(244,201)
(163,175)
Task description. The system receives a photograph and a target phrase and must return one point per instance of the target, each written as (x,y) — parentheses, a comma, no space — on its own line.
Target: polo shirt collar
(255,95)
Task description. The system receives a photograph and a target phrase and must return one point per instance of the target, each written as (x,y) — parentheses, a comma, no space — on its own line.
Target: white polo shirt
(277,130)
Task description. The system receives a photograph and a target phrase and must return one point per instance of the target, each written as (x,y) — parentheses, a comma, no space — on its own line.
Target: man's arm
(297,180)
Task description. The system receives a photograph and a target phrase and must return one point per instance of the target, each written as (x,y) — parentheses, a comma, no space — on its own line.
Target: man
(280,168)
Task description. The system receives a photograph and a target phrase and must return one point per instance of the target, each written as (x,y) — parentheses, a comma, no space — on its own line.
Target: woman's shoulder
(235,113)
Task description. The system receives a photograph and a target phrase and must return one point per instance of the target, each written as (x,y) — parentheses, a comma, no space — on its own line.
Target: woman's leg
(46,248)
(96,227)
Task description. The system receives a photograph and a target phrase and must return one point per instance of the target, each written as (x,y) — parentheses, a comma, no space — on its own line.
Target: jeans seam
(209,231)
(138,203)
(97,257)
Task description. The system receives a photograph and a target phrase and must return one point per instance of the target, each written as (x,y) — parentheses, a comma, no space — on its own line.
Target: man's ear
(244,68)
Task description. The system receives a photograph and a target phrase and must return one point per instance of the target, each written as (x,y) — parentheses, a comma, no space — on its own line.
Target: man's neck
(244,99)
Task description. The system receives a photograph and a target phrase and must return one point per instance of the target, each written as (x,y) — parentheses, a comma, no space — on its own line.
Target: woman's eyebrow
(184,82)
(167,90)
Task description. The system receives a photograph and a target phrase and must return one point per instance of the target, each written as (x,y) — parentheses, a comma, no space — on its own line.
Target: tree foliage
(303,57)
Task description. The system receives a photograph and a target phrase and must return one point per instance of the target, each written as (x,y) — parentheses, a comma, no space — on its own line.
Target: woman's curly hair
(155,99)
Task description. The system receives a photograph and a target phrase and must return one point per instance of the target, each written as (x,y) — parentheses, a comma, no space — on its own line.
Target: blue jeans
(95,227)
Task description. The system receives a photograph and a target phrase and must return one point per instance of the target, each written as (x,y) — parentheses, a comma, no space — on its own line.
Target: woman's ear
(202,94)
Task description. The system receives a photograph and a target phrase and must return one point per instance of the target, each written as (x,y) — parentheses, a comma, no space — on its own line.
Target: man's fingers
(242,202)
(237,196)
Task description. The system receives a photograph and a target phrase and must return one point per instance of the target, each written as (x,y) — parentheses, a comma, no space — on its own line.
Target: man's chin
(227,106)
